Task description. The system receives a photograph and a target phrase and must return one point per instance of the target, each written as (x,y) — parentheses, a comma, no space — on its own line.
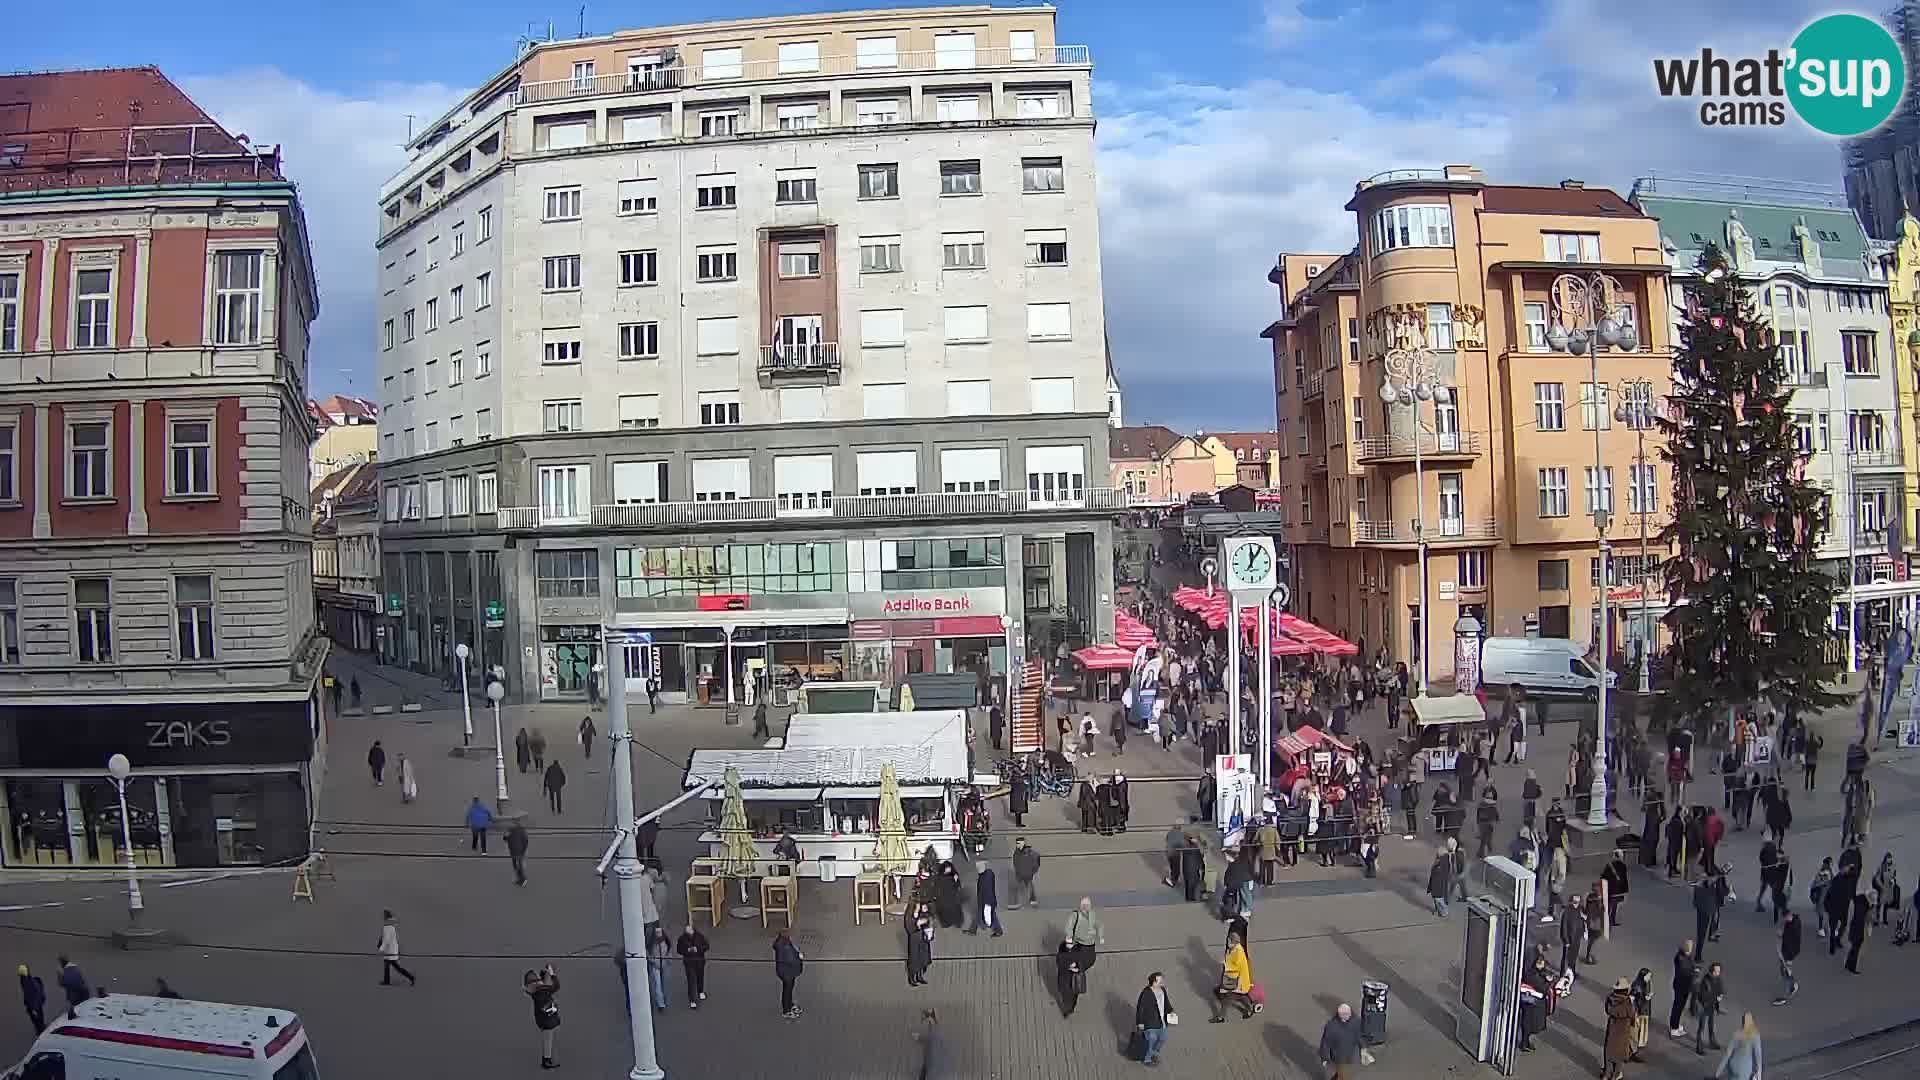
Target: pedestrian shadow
(1284,1042)
(1120,1019)
(1424,1005)
(1202,970)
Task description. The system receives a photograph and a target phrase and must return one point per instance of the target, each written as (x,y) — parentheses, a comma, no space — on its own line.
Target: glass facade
(728,569)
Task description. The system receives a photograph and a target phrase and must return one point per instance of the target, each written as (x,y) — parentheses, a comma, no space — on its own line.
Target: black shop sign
(85,736)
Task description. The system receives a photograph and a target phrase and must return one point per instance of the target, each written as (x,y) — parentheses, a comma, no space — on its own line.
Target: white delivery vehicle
(1551,667)
(130,1037)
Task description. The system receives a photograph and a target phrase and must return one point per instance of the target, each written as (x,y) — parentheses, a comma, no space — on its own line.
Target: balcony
(1865,537)
(1810,380)
(918,506)
(1444,447)
(1446,531)
(690,75)
(1315,386)
(1884,457)
(783,359)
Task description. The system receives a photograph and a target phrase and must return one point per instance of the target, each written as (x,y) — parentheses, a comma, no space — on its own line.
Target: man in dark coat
(919,931)
(1340,1043)
(1440,881)
(1017,794)
(1089,806)
(1486,817)
(33,995)
(553,781)
(377,763)
(1686,967)
(517,851)
(1206,793)
(1573,933)
(986,900)
(1121,805)
(1705,906)
(1655,808)
(1193,869)
(996,725)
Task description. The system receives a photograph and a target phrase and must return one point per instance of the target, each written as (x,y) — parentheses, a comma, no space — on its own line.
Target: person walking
(653,694)
(377,763)
(521,755)
(1026,867)
(1486,817)
(693,948)
(587,732)
(1070,979)
(1685,969)
(1618,884)
(659,953)
(1018,797)
(479,820)
(1236,981)
(537,746)
(933,1048)
(1708,991)
(390,951)
(1410,806)
(1705,906)
(1152,1014)
(1642,992)
(760,728)
(996,725)
(919,931)
(1617,1047)
(1267,840)
(986,899)
(542,987)
(1743,1058)
(353,690)
(1573,934)
(1789,951)
(517,851)
(788,963)
(1858,923)
(1085,933)
(1810,757)
(553,782)
(1440,880)
(74,983)
(1176,842)
(1340,1043)
(33,995)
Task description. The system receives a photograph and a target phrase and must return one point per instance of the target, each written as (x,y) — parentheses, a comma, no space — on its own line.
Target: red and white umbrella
(1105,657)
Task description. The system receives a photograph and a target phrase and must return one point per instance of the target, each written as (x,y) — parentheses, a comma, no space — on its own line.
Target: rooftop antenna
(583,20)
(410,120)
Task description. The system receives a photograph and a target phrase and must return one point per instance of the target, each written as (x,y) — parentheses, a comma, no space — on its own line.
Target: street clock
(1250,565)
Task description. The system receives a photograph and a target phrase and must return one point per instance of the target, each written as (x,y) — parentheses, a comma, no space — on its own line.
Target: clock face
(1251,563)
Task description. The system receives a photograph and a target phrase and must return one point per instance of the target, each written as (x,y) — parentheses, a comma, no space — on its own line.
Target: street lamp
(1586,320)
(1636,411)
(1006,698)
(496,692)
(1412,377)
(466,707)
(120,770)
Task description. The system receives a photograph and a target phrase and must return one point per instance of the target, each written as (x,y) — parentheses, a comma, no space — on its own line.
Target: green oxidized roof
(1689,224)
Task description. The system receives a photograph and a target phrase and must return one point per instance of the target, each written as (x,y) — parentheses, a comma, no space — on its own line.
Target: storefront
(930,631)
(568,656)
(349,619)
(214,783)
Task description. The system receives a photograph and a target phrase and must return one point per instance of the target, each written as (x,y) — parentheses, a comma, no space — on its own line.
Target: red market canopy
(1130,632)
(1306,737)
(1186,594)
(1104,658)
(1319,639)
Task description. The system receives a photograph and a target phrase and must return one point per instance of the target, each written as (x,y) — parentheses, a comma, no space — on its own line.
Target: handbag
(1173,1018)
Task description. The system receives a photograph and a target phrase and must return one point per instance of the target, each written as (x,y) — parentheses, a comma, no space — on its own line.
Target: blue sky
(1227,135)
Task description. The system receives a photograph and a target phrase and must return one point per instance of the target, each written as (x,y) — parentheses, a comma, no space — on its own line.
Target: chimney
(1573,185)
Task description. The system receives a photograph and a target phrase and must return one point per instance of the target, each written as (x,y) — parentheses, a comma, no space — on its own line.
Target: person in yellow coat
(1236,982)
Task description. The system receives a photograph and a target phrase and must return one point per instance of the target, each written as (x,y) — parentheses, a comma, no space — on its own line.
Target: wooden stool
(703,894)
(777,895)
(869,894)
(706,866)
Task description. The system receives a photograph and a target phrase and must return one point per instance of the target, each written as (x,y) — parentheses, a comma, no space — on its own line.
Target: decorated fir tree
(1751,611)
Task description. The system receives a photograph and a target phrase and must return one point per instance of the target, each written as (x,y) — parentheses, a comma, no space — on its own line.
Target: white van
(130,1037)
(1550,667)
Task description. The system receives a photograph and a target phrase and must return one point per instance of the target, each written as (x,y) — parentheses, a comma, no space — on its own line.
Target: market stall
(1309,753)
(1438,726)
(823,786)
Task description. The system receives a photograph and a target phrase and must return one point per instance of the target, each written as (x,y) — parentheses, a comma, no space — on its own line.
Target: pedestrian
(996,725)
(1573,934)
(353,690)
(1205,794)
(162,990)
(390,951)
(542,987)
(1713,828)
(788,963)
(1708,990)
(537,746)
(1618,885)
(653,694)
(409,787)
(1857,929)
(1152,1015)
(1069,978)
(1816,894)
(1642,991)
(1236,981)
(659,953)
(933,1050)
(521,755)
(1089,806)
(1026,867)
(1340,1042)
(1886,891)
(919,931)
(1086,933)
(986,899)
(1789,951)
(1743,1058)
(760,728)
(1459,868)
(593,689)
(1810,757)
(479,820)
(1193,870)
(1486,817)
(1117,727)
(74,982)
(1410,806)
(649,900)
(377,763)
(1685,969)
(1176,842)
(1705,907)
(33,995)
(554,780)
(1617,1047)
(648,835)
(1267,839)
(1517,730)
(333,692)
(1440,880)
(693,948)
(587,732)
(517,851)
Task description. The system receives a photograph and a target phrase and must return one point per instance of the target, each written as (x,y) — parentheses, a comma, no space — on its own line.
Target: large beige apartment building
(1460,273)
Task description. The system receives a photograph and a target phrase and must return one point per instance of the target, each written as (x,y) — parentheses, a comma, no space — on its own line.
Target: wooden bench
(778,896)
(869,894)
(704,893)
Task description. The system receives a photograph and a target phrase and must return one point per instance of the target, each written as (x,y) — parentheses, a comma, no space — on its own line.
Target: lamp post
(1636,411)
(1585,320)
(496,692)
(120,770)
(466,706)
(1006,696)
(1411,378)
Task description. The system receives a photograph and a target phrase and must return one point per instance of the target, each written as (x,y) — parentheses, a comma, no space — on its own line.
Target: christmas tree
(1750,611)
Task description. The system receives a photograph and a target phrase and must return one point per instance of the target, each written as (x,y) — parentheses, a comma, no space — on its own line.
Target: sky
(1228,130)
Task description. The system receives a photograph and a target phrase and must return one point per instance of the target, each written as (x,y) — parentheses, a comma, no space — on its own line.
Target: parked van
(1553,667)
(130,1037)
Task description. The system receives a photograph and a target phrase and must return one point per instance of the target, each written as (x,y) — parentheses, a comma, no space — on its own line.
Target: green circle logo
(1846,75)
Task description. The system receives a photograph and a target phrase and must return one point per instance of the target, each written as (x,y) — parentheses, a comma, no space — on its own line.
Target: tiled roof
(1690,224)
(1577,201)
(1140,443)
(341,405)
(1248,440)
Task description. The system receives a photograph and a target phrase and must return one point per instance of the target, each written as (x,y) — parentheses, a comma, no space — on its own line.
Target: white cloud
(337,148)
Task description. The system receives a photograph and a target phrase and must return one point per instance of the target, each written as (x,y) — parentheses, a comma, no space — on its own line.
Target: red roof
(1261,441)
(1578,201)
(350,409)
(1141,443)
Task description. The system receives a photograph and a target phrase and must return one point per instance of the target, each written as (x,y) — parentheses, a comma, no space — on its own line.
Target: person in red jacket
(1715,828)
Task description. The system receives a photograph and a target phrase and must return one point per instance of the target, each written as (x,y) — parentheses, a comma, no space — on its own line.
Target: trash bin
(829,867)
(1373,1012)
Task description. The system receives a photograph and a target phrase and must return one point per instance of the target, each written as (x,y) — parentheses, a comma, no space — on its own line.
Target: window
(1452,505)
(1042,174)
(715,264)
(1471,569)
(9,621)
(1873,511)
(93,309)
(561,273)
(1600,490)
(887,472)
(1821,432)
(723,63)
(717,336)
(721,480)
(406,325)
(583,74)
(486,493)
(1553,492)
(1353,341)
(960,177)
(456,368)
(714,191)
(800,260)
(881,400)
(639,340)
(459,240)
(639,268)
(803,483)
(1866,432)
(643,127)
(1360,499)
(1046,247)
(1594,413)
(1056,474)
(433,315)
(1439,326)
(963,251)
(485,218)
(876,52)
(565,492)
(971,397)
(1803,432)
(1551,575)
(393,499)
(1049,322)
(970,470)
(88,448)
(237,294)
(9,463)
(459,495)
(569,574)
(1535,317)
(10,315)
(1549,406)
(638,196)
(954,110)
(1052,394)
(880,181)
(560,415)
(795,186)
(482,362)
(879,254)
(93,619)
(719,408)
(433,443)
(883,328)
(408,384)
(1859,352)
(799,56)
(561,347)
(868,111)
(386,336)
(1359,411)
(966,324)
(1020,46)
(953,50)
(483,291)
(639,411)
(563,204)
(1412,225)
(457,429)
(639,483)
(457,302)
(1571,247)
(1643,492)
(803,117)
(1037,106)
(190,457)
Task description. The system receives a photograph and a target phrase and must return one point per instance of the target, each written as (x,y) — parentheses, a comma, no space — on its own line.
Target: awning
(1129,632)
(1104,658)
(775,794)
(851,792)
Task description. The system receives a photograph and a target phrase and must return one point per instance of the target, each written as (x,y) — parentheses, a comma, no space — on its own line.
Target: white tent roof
(848,749)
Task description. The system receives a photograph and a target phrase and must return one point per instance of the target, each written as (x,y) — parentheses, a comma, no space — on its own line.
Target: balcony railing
(1864,537)
(146,154)
(919,505)
(1316,386)
(1437,445)
(1886,457)
(1398,176)
(1445,530)
(683,75)
(1816,380)
(819,358)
